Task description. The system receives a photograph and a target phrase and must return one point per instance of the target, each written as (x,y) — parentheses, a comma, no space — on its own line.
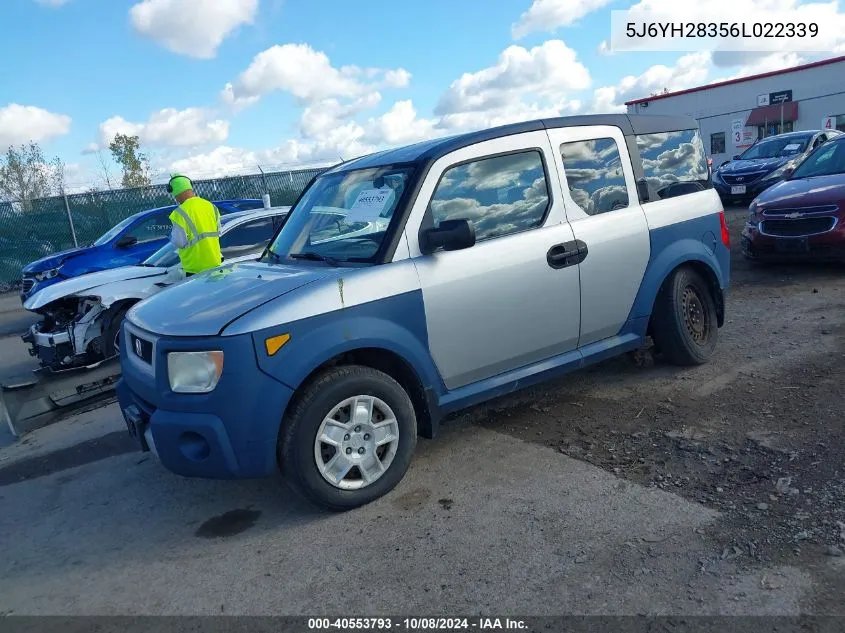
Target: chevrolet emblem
(792,216)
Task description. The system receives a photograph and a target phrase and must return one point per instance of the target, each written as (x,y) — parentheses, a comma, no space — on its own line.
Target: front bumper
(51,348)
(752,190)
(826,246)
(230,433)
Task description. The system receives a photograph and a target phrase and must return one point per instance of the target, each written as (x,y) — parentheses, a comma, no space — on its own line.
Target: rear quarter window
(674,163)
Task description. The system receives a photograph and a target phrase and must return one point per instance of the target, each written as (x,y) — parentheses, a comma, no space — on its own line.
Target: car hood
(205,304)
(56,259)
(805,192)
(89,282)
(739,167)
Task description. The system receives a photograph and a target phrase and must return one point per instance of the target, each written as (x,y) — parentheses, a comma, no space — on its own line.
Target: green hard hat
(179,185)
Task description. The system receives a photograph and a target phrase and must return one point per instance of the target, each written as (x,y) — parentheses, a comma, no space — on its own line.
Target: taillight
(726,235)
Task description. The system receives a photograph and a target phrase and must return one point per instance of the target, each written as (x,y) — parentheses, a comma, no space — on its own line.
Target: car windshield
(342,217)
(114,231)
(827,160)
(777,147)
(165,257)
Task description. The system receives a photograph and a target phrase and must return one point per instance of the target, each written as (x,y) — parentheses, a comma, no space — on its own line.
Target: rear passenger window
(674,163)
(594,173)
(500,195)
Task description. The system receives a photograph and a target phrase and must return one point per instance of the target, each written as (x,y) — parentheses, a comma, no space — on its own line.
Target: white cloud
(689,71)
(320,118)
(756,63)
(22,124)
(399,78)
(546,71)
(548,15)
(400,126)
(195,28)
(308,75)
(169,127)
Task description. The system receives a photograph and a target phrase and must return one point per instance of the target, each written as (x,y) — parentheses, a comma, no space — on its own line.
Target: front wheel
(349,438)
(111,335)
(685,322)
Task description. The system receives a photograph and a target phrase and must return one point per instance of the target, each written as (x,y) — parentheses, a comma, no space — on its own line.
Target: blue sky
(313,81)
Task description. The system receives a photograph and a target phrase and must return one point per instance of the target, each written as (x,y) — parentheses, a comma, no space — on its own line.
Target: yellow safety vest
(201,222)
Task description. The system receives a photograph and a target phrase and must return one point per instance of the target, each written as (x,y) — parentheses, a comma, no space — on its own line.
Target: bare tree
(26,175)
(104,169)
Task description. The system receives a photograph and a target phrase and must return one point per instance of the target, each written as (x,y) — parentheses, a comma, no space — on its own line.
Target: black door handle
(566,254)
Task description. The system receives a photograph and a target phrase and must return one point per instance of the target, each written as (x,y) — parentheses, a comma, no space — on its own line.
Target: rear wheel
(349,438)
(684,326)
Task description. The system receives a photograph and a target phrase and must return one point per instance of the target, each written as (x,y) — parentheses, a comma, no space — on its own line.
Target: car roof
(798,134)
(431,150)
(254,213)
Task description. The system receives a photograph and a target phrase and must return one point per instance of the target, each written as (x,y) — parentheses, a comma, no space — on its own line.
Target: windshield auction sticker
(370,204)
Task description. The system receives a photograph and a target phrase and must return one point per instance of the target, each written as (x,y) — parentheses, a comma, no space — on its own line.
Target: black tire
(684,323)
(310,408)
(112,332)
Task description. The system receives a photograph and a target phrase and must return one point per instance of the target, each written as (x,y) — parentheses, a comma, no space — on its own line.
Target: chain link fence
(34,229)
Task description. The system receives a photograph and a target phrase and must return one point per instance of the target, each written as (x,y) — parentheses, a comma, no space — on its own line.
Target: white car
(82,316)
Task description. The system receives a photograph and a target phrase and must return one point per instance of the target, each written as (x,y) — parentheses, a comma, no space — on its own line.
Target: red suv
(803,216)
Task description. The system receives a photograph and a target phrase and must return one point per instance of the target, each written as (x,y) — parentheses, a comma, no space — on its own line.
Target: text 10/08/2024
(416,624)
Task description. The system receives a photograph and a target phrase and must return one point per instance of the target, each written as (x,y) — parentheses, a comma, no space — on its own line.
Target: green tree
(135,164)
(26,175)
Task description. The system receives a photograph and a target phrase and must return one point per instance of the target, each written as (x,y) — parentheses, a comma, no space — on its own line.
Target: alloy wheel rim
(356,442)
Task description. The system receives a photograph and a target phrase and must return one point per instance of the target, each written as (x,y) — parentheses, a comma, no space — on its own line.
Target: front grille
(744,179)
(27,284)
(826,209)
(797,228)
(142,348)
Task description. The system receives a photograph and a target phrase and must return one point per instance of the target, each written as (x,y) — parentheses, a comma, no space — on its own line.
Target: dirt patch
(756,434)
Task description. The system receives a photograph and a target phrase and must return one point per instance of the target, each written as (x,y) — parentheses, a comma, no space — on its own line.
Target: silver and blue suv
(419,281)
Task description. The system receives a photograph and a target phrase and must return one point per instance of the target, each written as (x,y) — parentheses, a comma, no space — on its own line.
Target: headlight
(47,274)
(194,372)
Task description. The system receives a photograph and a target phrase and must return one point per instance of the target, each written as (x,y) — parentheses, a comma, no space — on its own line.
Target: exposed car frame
(80,312)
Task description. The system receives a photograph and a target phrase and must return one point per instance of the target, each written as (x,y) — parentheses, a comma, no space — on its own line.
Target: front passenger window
(594,173)
(248,238)
(500,195)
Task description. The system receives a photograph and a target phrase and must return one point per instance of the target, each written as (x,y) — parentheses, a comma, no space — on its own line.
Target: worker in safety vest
(196,228)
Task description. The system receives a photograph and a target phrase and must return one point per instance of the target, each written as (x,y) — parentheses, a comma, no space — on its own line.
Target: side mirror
(787,173)
(127,241)
(451,235)
(735,157)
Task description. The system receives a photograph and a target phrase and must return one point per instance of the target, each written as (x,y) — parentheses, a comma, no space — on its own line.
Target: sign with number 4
(827,123)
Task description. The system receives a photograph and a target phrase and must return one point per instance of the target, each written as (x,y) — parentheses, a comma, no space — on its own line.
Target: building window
(500,195)
(717,143)
(593,171)
(674,163)
(772,129)
(839,122)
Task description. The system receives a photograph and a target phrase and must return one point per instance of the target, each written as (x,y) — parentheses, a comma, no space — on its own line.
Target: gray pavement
(13,318)
(484,523)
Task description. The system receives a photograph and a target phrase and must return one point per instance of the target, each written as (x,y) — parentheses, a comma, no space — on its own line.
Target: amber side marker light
(275,343)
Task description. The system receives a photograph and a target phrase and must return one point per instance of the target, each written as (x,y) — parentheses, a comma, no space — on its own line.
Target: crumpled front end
(69,336)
